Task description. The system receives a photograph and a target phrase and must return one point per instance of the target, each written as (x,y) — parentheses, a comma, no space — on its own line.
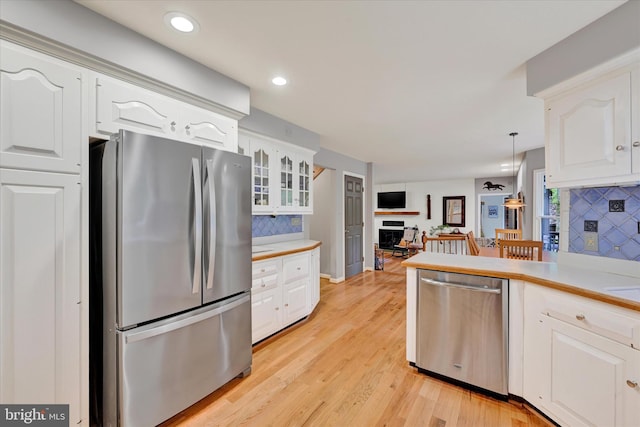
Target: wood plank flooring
(345,366)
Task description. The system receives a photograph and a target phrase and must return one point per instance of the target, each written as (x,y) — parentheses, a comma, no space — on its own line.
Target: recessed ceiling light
(279,81)
(181,22)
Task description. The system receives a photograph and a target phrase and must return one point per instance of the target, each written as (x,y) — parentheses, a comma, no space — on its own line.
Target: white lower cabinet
(295,300)
(283,292)
(266,316)
(581,359)
(40,290)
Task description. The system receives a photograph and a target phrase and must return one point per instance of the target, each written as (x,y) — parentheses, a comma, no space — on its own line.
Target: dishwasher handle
(462,286)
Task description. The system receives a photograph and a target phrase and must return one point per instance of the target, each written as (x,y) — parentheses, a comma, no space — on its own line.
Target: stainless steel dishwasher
(462,329)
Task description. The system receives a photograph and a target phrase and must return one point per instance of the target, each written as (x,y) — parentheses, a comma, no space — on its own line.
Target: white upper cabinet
(40,112)
(208,128)
(592,132)
(120,105)
(282,175)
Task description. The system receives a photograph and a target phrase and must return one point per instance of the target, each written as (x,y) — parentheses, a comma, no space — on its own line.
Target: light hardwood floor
(345,366)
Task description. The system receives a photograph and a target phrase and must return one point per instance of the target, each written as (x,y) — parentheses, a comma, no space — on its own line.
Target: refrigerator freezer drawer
(166,367)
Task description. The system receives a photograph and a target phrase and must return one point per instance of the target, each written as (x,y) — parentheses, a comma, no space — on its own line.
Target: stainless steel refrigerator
(172,267)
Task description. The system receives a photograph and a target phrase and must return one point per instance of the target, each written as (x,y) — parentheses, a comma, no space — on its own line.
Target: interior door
(353,223)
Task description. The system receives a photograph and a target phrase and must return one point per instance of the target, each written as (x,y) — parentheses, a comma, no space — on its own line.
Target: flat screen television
(392,199)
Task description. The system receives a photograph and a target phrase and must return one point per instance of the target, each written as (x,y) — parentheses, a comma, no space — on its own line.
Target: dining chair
(521,249)
(507,234)
(472,245)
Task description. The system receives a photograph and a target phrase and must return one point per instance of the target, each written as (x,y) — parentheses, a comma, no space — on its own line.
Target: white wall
(417,201)
(489,225)
(343,165)
(320,225)
(533,159)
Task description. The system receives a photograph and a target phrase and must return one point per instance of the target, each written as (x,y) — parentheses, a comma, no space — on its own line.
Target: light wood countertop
(579,281)
(272,250)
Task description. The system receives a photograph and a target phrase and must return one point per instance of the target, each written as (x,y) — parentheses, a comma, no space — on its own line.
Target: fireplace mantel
(406,213)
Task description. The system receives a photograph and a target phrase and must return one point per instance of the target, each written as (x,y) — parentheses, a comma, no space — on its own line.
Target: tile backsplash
(614,214)
(267,225)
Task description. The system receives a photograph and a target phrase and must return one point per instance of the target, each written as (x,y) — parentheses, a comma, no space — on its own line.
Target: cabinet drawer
(265,268)
(296,267)
(602,319)
(264,282)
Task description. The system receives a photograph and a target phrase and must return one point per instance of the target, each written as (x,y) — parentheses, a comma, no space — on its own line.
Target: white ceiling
(423,89)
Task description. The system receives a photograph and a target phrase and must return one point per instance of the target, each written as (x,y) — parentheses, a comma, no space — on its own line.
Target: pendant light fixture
(513,202)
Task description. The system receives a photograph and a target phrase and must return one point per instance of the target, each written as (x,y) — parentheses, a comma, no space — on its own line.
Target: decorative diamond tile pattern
(266,225)
(617,231)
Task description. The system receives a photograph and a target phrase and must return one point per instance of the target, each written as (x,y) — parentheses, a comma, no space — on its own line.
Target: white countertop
(589,283)
(260,252)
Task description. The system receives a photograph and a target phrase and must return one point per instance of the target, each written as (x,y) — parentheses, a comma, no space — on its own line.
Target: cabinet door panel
(123,106)
(40,112)
(590,132)
(40,288)
(295,301)
(586,377)
(263,159)
(265,313)
(208,128)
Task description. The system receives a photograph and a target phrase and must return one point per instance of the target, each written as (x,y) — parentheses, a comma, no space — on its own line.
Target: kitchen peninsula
(573,335)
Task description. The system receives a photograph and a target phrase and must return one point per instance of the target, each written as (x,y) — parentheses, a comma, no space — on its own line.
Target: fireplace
(388,237)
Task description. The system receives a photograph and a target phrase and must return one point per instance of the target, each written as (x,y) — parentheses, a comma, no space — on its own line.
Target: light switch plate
(590,241)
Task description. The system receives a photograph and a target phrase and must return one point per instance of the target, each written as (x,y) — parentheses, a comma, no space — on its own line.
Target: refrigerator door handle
(197,244)
(212,224)
(159,330)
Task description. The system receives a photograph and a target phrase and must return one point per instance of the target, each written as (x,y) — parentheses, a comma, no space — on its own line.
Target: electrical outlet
(590,241)
(296,221)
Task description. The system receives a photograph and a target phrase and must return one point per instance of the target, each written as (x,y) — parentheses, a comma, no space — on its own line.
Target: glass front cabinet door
(263,159)
(305,170)
(286,180)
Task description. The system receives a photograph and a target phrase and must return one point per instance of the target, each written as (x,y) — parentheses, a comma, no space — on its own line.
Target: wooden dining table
(547,256)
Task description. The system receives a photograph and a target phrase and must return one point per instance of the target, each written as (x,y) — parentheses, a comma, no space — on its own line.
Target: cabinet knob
(580,316)
(636,144)
(277,308)
(173,125)
(299,268)
(632,384)
(263,285)
(287,305)
(619,147)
